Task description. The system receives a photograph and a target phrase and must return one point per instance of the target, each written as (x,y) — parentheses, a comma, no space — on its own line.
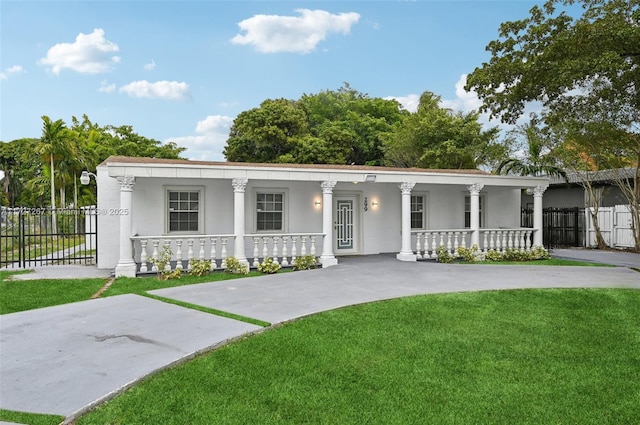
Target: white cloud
(409,102)
(12,70)
(169,90)
(105,87)
(295,34)
(89,54)
(150,66)
(465,101)
(211,138)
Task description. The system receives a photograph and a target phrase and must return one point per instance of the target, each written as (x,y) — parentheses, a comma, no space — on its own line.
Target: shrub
(235,266)
(493,255)
(443,255)
(199,267)
(469,255)
(539,253)
(163,262)
(306,262)
(268,266)
(515,255)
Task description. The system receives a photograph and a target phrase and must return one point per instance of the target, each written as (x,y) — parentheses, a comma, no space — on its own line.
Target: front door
(345,224)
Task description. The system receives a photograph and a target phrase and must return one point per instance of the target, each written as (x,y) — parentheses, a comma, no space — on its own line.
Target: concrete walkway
(64,359)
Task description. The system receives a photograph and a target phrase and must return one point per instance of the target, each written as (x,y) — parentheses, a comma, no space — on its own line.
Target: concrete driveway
(65,359)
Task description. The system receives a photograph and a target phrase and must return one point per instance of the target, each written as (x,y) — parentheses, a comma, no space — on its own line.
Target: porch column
(239,185)
(406,253)
(327,259)
(474,207)
(126,265)
(537,191)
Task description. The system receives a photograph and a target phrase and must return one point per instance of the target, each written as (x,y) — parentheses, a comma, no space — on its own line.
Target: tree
(435,137)
(353,124)
(536,148)
(554,58)
(268,133)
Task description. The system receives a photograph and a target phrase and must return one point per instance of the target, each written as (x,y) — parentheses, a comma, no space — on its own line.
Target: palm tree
(52,145)
(536,161)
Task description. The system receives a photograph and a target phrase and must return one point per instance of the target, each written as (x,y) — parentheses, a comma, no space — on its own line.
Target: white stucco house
(214,210)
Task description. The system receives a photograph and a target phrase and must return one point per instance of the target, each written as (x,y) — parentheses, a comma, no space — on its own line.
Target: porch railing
(284,248)
(426,242)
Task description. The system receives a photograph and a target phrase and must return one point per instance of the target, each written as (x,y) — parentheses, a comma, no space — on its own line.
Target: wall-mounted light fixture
(85,177)
(317,203)
(374,204)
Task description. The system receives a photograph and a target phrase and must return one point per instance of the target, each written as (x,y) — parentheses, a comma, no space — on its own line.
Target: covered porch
(258,211)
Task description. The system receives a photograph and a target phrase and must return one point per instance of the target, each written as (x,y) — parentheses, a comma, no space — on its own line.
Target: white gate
(615,226)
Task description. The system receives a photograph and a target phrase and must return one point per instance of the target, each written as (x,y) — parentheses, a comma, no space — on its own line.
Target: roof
(143,160)
(602,176)
(139,167)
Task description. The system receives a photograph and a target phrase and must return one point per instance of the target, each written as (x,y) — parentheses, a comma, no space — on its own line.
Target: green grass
(498,357)
(29,418)
(21,295)
(549,262)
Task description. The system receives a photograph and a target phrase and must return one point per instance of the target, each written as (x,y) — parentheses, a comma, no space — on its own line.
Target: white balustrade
(282,248)
(427,242)
(205,245)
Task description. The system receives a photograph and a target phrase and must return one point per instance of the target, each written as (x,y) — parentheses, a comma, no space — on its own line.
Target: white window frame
(285,207)
(467,210)
(201,202)
(425,210)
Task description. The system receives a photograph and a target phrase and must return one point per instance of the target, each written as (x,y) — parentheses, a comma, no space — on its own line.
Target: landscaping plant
(268,266)
(306,262)
(235,266)
(199,267)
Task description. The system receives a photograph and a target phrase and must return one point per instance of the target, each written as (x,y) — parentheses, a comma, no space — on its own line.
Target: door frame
(357,223)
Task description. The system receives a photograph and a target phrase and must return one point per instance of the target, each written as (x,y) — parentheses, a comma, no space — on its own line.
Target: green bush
(515,255)
(199,267)
(268,266)
(539,253)
(306,262)
(235,266)
(469,255)
(493,255)
(443,255)
(162,262)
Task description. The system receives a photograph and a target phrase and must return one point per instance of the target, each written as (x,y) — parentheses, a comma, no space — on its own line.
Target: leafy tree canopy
(559,60)
(435,137)
(331,127)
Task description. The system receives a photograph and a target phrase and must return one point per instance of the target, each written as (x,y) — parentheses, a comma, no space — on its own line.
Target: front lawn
(20,295)
(498,357)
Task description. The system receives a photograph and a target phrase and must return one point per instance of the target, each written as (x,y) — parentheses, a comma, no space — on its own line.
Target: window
(467,210)
(184,210)
(269,212)
(417,212)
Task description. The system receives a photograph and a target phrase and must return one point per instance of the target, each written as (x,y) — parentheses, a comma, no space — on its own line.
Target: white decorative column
(406,253)
(327,259)
(239,185)
(537,191)
(474,207)
(126,265)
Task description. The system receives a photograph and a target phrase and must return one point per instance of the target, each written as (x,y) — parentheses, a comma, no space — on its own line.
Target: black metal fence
(41,236)
(561,227)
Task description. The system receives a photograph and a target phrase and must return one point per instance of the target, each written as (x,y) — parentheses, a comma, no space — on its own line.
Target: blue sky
(182,70)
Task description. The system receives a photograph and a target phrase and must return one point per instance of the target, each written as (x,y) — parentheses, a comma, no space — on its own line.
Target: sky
(181,71)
